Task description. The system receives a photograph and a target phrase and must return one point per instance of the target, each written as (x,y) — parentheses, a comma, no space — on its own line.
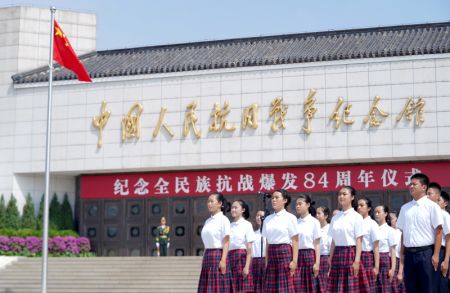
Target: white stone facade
(74,139)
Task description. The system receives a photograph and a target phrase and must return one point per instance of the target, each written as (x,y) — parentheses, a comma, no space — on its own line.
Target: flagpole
(47,158)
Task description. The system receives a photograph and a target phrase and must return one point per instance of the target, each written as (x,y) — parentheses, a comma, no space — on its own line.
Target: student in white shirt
(324,216)
(443,203)
(259,254)
(387,280)
(280,230)
(215,274)
(421,223)
(370,256)
(308,246)
(445,250)
(399,272)
(346,230)
(240,254)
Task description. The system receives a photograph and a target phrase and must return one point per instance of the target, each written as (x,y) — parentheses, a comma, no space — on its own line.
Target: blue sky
(135,23)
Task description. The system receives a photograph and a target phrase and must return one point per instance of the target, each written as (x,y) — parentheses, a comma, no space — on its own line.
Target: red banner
(249,181)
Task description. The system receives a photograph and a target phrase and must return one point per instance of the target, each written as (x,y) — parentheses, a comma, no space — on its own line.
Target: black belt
(418,249)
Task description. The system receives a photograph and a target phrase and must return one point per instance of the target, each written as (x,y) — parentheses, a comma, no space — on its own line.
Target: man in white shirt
(421,223)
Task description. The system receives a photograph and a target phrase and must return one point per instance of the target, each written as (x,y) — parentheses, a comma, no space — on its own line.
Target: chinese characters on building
(131,123)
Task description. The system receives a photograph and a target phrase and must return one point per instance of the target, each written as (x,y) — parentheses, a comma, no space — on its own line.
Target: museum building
(161,127)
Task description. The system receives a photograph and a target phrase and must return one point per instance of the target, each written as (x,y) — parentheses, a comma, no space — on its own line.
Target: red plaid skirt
(398,288)
(237,263)
(341,278)
(322,278)
(383,284)
(366,276)
(258,271)
(304,278)
(278,277)
(211,279)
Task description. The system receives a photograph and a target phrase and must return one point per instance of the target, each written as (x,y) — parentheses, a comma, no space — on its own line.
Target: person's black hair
(246,213)
(326,212)
(307,199)
(445,197)
(369,205)
(353,193)
(225,207)
(435,185)
(386,210)
(423,179)
(285,195)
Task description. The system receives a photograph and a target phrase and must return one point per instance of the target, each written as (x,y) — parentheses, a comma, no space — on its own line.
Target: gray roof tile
(419,39)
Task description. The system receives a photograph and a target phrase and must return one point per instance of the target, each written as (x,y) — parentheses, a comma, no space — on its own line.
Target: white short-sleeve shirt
(346,227)
(387,237)
(214,231)
(280,227)
(325,240)
(370,234)
(241,234)
(256,245)
(445,225)
(309,230)
(418,221)
(398,239)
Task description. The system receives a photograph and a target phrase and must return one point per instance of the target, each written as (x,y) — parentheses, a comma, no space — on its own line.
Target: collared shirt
(241,234)
(280,227)
(370,234)
(445,225)
(214,231)
(346,227)
(398,239)
(325,240)
(418,221)
(309,230)
(256,245)
(387,237)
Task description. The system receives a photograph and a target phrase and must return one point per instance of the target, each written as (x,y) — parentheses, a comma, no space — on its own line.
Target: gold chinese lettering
(220,121)
(337,118)
(190,119)
(413,108)
(372,115)
(250,117)
(131,124)
(100,122)
(278,111)
(161,122)
(309,110)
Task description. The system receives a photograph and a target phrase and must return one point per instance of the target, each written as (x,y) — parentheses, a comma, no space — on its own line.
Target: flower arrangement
(57,246)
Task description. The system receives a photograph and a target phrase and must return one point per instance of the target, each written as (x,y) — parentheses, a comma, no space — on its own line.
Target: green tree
(12,220)
(66,214)
(28,217)
(55,213)
(2,212)
(40,217)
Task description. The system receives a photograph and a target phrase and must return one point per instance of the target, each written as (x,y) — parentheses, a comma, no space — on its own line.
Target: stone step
(103,275)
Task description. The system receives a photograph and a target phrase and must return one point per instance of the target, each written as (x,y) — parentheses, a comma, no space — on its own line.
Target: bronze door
(91,222)
(180,226)
(113,228)
(135,243)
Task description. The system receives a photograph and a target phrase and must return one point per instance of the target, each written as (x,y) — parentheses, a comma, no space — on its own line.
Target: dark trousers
(420,275)
(162,247)
(443,281)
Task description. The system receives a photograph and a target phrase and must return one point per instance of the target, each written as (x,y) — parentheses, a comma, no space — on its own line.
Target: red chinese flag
(65,55)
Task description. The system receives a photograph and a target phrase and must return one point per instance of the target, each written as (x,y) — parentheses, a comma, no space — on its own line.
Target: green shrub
(66,214)
(55,213)
(2,212)
(40,217)
(37,233)
(12,214)
(28,218)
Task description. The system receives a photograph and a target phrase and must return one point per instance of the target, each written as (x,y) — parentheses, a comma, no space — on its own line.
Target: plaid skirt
(304,278)
(211,279)
(341,278)
(366,276)
(258,271)
(383,284)
(278,277)
(237,259)
(398,287)
(322,278)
